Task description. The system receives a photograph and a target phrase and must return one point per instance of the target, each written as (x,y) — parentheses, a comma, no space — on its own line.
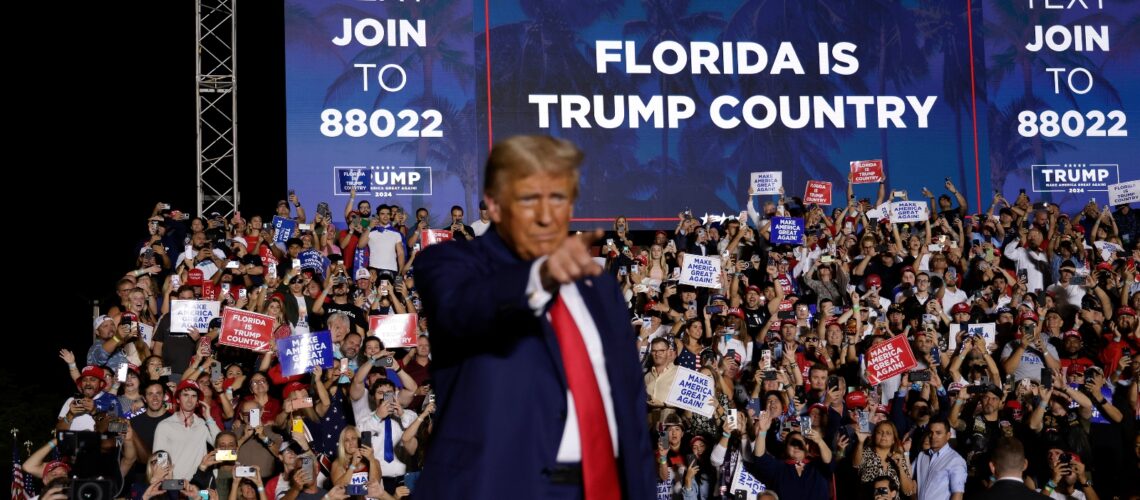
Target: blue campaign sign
(787,230)
(1074,177)
(360,259)
(299,353)
(312,259)
(286,228)
(348,178)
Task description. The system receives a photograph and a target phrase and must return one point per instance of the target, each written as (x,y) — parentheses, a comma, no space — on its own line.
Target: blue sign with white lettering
(286,228)
(299,353)
(312,259)
(787,230)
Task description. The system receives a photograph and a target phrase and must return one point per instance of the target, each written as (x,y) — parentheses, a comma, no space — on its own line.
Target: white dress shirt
(570,449)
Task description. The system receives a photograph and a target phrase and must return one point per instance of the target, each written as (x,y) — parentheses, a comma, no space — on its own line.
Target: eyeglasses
(257,382)
(659,351)
(924,280)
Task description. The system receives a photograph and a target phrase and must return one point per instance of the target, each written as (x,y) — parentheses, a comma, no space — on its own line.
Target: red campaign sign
(890,358)
(266,255)
(394,330)
(866,171)
(246,330)
(818,192)
(209,291)
(433,236)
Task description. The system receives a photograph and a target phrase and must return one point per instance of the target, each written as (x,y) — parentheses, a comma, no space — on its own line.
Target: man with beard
(80,412)
(340,302)
(1026,253)
(757,310)
(978,430)
(145,423)
(1065,476)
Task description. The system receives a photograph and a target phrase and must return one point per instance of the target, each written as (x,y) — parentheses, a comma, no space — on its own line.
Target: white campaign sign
(1123,193)
(767,182)
(908,211)
(987,331)
(185,314)
(742,480)
(701,271)
(691,391)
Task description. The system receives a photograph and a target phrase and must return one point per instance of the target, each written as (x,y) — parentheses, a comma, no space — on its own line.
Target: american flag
(23,487)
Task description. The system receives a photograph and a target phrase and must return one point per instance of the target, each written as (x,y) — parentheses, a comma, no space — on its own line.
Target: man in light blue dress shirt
(940,471)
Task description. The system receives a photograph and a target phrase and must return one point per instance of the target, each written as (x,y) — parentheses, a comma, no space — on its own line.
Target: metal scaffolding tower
(217,108)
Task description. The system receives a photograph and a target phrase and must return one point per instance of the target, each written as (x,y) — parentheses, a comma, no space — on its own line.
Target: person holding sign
(801,475)
(524,310)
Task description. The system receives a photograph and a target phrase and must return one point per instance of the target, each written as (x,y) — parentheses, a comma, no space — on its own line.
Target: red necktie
(599,468)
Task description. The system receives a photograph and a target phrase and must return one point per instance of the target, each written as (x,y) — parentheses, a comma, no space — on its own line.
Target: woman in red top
(259,393)
(220,408)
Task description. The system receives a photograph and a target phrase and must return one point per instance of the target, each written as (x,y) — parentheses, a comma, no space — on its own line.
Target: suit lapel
(592,296)
(497,252)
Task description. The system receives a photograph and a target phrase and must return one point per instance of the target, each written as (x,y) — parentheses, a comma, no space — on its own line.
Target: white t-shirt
(950,299)
(302,325)
(1069,294)
(737,346)
(382,249)
(479,227)
(81,423)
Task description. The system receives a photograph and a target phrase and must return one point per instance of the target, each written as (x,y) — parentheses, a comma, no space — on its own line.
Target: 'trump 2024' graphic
(380,101)
(676,104)
(1063,86)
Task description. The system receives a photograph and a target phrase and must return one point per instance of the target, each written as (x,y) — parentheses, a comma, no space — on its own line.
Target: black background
(105,126)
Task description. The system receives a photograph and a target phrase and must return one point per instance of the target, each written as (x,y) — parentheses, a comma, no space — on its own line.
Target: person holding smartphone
(387,424)
(806,472)
(185,434)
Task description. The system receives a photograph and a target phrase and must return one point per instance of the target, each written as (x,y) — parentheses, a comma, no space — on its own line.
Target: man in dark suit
(1008,464)
(535,370)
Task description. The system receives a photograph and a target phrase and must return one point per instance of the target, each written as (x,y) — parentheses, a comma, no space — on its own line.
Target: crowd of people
(1022,318)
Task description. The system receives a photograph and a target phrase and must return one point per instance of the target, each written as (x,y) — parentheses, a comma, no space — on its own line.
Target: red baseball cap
(194,277)
(1071,333)
(873,280)
(960,307)
(52,466)
(1126,311)
(188,384)
(1027,316)
(856,400)
(753,288)
(294,386)
(92,371)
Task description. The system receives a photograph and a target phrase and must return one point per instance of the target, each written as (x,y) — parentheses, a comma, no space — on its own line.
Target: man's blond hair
(524,155)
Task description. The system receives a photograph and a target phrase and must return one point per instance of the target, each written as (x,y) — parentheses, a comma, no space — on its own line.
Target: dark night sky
(117,113)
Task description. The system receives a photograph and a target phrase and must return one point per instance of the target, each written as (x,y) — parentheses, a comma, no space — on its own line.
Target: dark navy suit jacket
(499,382)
